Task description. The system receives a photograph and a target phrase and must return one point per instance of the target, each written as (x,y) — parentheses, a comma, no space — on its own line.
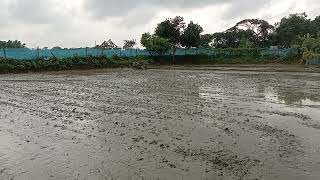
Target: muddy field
(160,124)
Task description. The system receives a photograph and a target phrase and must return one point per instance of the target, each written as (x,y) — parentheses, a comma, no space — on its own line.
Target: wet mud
(160,124)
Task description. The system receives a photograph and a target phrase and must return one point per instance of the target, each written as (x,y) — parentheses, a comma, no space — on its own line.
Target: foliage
(289,32)
(316,27)
(311,45)
(229,39)
(191,36)
(258,29)
(108,45)
(172,30)
(290,28)
(53,64)
(255,31)
(246,43)
(311,48)
(12,44)
(56,48)
(155,45)
(129,44)
(206,41)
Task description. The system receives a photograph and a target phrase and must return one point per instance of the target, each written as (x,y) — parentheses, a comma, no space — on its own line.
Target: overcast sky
(79,23)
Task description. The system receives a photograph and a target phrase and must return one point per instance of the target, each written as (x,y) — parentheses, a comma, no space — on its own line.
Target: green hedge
(53,64)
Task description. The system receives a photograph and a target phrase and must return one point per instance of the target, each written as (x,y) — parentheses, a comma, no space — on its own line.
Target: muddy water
(160,124)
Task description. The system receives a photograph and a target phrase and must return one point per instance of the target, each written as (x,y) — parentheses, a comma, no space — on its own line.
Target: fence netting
(210,53)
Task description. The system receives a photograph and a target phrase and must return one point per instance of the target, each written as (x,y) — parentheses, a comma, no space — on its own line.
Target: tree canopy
(291,27)
(178,35)
(12,44)
(171,29)
(191,36)
(155,45)
(206,40)
(129,44)
(108,45)
(257,29)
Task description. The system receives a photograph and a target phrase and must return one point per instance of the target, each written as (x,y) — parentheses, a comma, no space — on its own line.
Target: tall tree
(206,40)
(171,29)
(230,38)
(155,45)
(129,44)
(316,26)
(290,28)
(258,28)
(191,36)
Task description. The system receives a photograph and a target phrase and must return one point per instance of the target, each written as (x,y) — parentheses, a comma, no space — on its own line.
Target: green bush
(54,64)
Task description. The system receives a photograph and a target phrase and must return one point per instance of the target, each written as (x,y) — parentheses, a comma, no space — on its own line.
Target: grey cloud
(32,11)
(101,9)
(141,11)
(244,7)
(104,8)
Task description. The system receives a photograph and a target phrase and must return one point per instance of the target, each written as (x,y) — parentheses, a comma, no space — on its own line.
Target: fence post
(38,53)
(120,52)
(86,51)
(53,55)
(5,53)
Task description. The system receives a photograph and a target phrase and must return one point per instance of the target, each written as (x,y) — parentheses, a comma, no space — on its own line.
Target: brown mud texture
(160,124)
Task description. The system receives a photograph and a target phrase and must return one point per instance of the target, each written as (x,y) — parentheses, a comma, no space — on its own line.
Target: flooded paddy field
(160,124)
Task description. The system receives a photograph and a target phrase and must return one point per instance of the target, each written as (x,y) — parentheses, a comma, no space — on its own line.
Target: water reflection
(273,94)
(292,98)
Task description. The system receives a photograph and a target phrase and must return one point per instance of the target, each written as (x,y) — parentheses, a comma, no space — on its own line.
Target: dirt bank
(246,67)
(160,124)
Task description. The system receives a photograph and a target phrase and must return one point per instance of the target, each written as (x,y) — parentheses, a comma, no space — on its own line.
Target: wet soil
(160,124)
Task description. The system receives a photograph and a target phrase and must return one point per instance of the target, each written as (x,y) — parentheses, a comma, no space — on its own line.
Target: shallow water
(160,124)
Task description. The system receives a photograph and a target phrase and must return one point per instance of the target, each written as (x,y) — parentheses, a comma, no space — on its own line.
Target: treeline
(290,31)
(12,44)
(295,30)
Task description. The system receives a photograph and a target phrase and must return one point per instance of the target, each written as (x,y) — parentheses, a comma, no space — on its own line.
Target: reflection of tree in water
(296,96)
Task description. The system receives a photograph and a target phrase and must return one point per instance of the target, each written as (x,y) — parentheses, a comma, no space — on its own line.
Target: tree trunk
(174,49)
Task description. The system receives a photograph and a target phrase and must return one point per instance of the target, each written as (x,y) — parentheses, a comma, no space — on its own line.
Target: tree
(191,36)
(56,48)
(171,29)
(311,45)
(155,45)
(311,48)
(259,30)
(290,28)
(129,44)
(12,44)
(108,45)
(206,40)
(316,27)
(246,43)
(230,38)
